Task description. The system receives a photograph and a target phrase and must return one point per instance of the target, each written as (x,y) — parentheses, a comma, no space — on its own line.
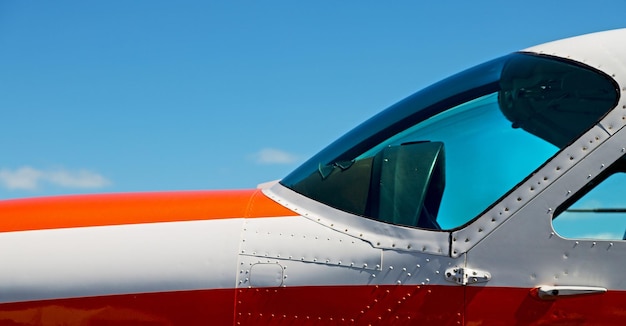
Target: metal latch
(554,292)
(464,275)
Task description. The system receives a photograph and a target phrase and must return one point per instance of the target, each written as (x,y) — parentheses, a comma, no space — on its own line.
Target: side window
(599,214)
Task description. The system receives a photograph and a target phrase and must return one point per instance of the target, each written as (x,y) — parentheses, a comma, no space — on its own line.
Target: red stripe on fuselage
(319,305)
(134,208)
(323,305)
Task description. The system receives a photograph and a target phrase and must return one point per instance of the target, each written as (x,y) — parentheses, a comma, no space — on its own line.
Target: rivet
(391,267)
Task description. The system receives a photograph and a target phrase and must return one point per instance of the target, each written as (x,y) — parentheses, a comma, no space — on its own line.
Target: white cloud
(274,156)
(80,179)
(24,178)
(28,178)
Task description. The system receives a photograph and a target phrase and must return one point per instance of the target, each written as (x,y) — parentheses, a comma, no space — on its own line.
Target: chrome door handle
(561,291)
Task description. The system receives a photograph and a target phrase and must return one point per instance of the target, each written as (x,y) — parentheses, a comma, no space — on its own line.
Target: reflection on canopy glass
(445,154)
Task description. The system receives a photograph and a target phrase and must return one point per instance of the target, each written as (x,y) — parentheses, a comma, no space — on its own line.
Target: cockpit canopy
(443,155)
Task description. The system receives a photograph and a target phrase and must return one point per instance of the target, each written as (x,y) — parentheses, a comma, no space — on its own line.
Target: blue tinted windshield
(443,155)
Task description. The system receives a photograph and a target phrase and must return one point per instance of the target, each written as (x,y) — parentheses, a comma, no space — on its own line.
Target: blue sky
(118,96)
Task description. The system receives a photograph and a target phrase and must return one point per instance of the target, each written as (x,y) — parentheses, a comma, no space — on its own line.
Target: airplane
(493,197)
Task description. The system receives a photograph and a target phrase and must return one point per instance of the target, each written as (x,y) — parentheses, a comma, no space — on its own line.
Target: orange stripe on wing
(134,208)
